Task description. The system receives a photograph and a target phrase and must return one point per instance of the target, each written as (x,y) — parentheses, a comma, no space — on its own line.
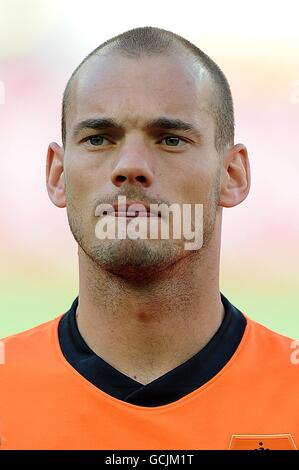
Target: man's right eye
(96,140)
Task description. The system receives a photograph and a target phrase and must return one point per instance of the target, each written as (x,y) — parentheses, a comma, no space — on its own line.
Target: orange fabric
(46,404)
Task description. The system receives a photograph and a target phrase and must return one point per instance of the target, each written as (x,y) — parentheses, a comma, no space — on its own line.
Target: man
(150,355)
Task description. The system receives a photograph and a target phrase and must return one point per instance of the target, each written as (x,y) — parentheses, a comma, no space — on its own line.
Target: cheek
(196,185)
(78,192)
(80,175)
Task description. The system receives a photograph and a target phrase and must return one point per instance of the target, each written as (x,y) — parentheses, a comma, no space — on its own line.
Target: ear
(55,175)
(235,178)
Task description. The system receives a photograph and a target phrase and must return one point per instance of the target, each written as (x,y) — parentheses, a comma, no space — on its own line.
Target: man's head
(149,116)
(149,41)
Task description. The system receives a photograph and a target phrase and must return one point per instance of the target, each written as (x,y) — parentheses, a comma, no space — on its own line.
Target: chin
(136,259)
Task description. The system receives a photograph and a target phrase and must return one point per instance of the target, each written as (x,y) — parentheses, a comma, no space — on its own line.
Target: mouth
(131,211)
(130,215)
(133,215)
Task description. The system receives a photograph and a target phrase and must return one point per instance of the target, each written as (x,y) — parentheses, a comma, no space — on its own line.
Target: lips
(134,209)
(129,210)
(133,214)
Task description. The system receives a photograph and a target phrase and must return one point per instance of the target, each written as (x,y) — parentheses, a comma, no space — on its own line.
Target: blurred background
(256,45)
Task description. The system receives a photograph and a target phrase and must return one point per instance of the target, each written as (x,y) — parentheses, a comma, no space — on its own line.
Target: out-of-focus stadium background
(257,46)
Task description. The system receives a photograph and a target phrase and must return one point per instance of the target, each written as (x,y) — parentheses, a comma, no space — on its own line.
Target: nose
(132,168)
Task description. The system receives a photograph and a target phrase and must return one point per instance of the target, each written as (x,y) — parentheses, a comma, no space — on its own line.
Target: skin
(145,306)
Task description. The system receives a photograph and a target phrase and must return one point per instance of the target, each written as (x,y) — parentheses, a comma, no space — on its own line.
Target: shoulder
(31,332)
(31,343)
(260,332)
(269,350)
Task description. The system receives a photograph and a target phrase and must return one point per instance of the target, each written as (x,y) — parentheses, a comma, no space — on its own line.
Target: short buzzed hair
(149,40)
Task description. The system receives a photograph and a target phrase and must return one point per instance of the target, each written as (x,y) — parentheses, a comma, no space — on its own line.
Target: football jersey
(167,388)
(250,403)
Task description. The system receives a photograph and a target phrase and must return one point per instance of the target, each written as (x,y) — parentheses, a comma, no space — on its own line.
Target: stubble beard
(140,259)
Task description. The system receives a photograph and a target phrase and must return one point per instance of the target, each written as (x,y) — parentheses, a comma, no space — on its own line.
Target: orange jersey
(251,403)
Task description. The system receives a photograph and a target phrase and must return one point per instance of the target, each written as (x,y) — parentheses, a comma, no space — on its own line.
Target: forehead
(137,89)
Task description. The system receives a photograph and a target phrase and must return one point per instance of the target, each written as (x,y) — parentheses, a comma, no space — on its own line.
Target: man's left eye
(173,141)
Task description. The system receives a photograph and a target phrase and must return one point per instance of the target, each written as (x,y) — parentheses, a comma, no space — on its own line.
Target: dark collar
(171,386)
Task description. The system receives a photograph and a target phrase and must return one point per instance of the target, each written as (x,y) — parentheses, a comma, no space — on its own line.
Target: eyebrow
(155,124)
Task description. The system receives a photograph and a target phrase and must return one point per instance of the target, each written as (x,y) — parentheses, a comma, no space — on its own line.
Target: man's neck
(146,329)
